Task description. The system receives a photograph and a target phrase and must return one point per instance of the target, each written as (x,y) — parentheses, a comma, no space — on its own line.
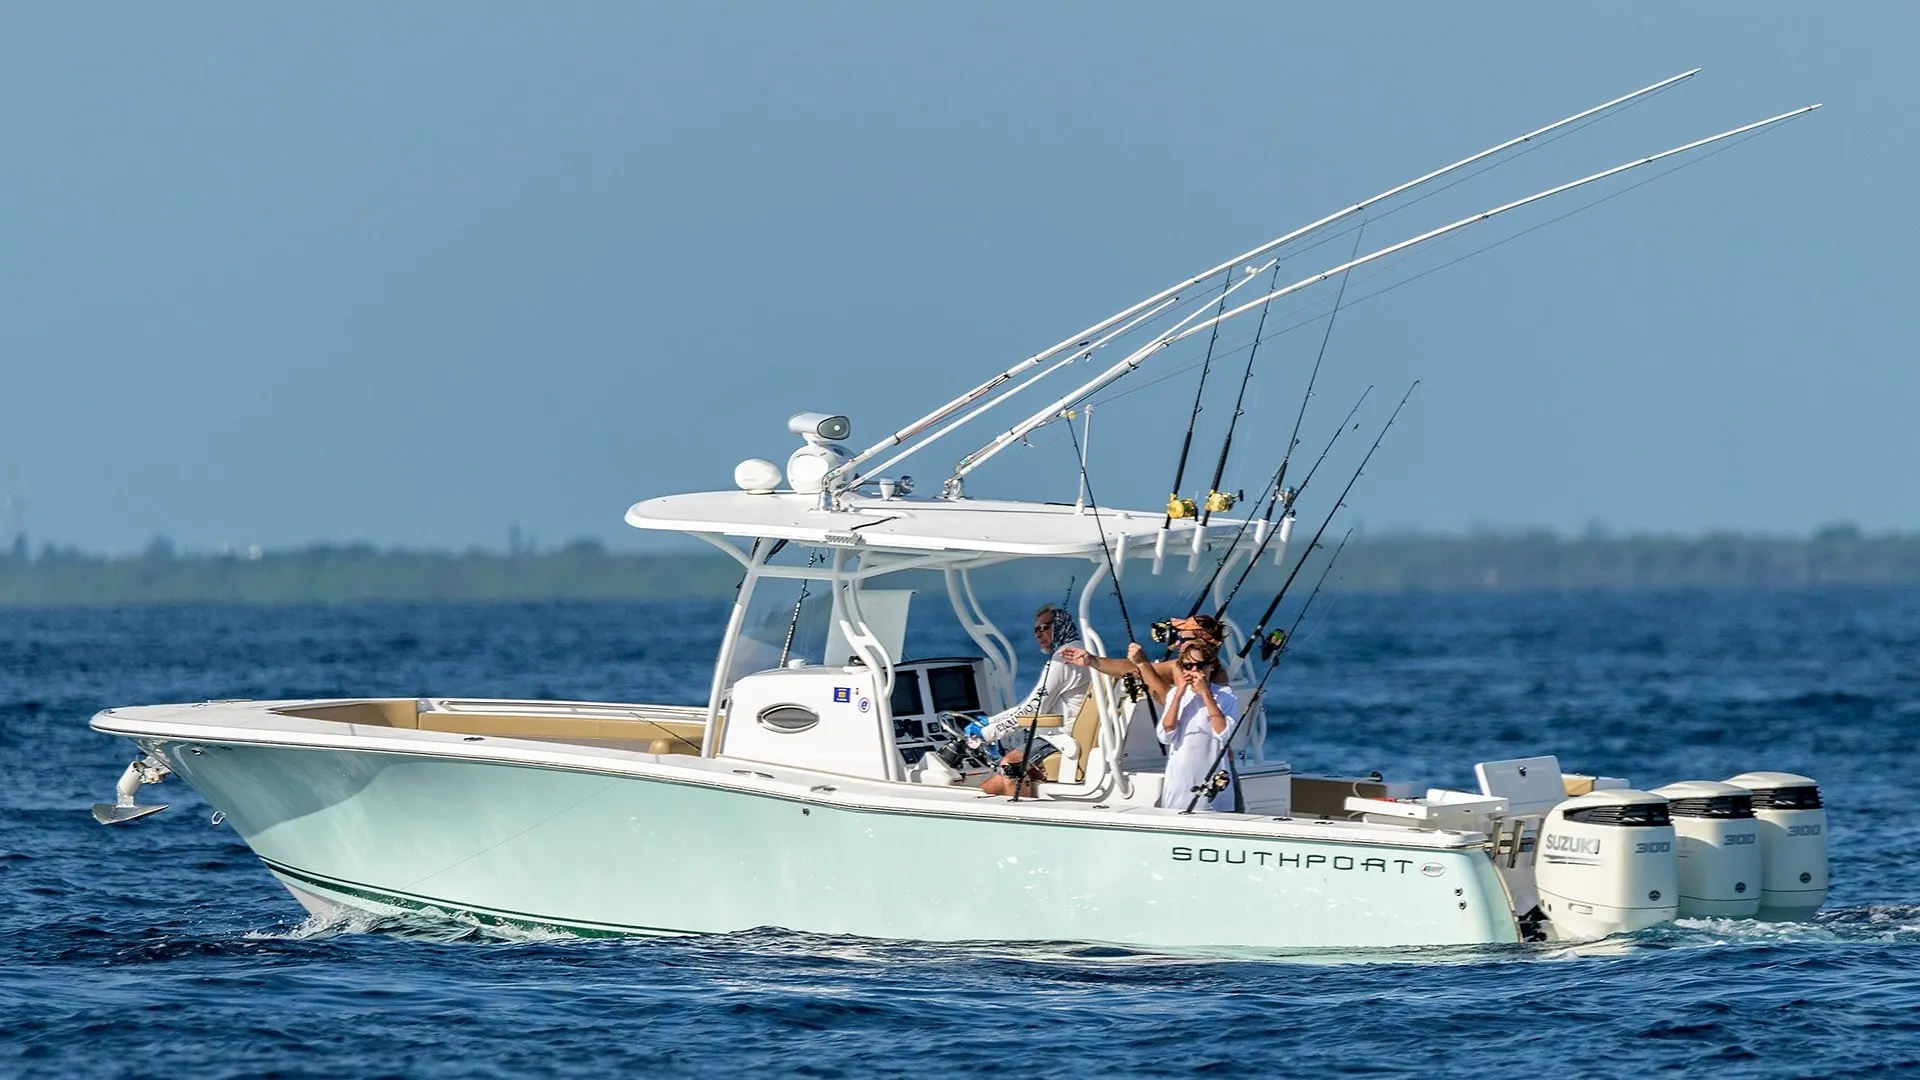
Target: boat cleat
(142,771)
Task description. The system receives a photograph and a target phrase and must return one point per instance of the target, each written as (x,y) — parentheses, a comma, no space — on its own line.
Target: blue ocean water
(164,949)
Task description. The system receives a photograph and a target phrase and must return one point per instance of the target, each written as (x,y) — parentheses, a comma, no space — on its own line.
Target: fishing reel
(1272,643)
(1178,507)
(958,751)
(1163,632)
(1219,502)
(1214,785)
(1022,770)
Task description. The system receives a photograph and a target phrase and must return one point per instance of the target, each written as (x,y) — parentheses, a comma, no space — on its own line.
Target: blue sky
(414,273)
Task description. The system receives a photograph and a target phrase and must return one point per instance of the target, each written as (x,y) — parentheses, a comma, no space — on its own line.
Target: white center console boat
(814,790)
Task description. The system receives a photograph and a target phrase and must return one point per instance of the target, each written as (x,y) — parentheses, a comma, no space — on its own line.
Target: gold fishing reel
(1219,502)
(1178,507)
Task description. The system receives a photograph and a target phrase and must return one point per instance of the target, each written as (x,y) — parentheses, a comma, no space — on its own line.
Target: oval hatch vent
(787,719)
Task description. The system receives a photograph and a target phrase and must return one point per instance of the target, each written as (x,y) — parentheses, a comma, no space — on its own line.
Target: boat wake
(1864,924)
(1881,924)
(409,926)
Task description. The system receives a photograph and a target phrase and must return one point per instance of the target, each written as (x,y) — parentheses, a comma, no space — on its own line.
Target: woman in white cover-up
(1198,721)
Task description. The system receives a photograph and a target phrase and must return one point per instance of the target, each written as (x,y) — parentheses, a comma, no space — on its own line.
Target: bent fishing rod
(1289,499)
(1081,339)
(1270,650)
(1261,626)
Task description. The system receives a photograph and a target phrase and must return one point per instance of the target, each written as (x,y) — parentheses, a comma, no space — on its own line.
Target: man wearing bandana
(1060,692)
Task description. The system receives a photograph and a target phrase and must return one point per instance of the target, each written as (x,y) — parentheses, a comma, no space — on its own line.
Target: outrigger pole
(1083,338)
(1083,354)
(1135,359)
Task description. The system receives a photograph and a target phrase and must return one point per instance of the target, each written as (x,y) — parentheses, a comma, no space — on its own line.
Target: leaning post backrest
(1084,730)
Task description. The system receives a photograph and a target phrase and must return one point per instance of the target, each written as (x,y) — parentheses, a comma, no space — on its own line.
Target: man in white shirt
(1060,692)
(1159,677)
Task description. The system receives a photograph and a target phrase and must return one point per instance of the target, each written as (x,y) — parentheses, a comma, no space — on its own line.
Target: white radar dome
(756,476)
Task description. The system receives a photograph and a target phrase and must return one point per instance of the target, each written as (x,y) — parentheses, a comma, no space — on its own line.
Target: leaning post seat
(1085,732)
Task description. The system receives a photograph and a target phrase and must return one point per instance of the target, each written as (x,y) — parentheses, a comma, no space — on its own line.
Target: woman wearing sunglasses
(1158,677)
(1198,720)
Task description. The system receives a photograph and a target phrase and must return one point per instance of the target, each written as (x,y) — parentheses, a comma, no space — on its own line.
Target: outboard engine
(1793,843)
(1605,864)
(1717,842)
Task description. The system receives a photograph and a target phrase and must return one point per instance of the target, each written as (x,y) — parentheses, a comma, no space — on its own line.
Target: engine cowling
(1605,864)
(1793,842)
(1717,844)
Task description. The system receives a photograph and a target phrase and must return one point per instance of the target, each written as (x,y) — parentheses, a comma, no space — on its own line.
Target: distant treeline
(585,570)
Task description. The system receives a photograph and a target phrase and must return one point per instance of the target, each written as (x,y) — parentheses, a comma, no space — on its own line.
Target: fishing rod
(1093,507)
(1079,340)
(1267,534)
(1113,570)
(951,488)
(1279,481)
(1215,498)
(793,624)
(1134,360)
(1271,650)
(1086,353)
(1261,626)
(1176,506)
(1200,597)
(1261,548)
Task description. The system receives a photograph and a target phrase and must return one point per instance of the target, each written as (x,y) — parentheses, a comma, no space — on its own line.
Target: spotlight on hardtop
(820,428)
(808,467)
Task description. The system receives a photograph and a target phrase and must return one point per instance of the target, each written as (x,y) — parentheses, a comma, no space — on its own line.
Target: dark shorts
(1042,750)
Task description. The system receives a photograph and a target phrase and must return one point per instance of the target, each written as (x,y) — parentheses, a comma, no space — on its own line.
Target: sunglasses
(1196,665)
(1041,628)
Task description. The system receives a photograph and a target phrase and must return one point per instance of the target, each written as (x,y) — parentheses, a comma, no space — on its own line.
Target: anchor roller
(142,771)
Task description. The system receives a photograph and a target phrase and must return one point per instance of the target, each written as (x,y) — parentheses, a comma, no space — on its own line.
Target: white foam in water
(431,926)
(329,924)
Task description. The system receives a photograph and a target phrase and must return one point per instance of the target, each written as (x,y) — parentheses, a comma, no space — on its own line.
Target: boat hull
(597,853)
